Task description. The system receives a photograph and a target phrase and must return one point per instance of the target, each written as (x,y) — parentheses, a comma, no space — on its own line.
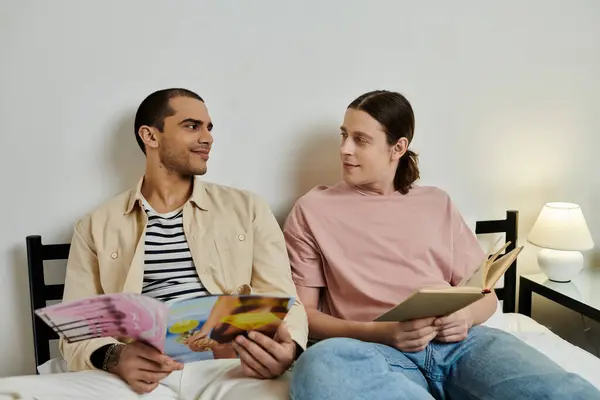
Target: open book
(441,301)
(188,330)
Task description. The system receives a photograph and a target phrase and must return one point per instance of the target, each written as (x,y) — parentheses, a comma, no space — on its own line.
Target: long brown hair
(395,114)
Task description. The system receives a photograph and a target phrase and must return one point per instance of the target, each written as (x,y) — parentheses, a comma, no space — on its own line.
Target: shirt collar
(199,197)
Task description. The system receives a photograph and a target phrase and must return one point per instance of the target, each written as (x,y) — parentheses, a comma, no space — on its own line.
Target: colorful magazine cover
(204,327)
(189,330)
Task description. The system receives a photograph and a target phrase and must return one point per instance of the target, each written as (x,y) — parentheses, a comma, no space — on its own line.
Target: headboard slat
(54,292)
(55,252)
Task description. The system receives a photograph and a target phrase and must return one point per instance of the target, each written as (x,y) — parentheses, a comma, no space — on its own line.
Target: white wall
(506,100)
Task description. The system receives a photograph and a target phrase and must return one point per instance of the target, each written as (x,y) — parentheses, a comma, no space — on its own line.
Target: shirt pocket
(234,259)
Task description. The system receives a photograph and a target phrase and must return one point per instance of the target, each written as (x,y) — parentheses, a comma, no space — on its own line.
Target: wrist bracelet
(108,357)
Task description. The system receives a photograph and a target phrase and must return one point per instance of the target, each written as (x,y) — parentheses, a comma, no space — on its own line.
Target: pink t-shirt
(369,252)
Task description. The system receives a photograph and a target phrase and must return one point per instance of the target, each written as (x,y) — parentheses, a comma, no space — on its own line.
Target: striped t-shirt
(169,272)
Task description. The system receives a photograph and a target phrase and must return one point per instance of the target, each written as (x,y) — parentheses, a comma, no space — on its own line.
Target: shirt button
(241,238)
(114,255)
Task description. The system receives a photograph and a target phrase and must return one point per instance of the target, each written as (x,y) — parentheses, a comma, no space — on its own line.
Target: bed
(570,357)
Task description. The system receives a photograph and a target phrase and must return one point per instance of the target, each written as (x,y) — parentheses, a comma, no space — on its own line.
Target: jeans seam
(429,361)
(444,377)
(376,352)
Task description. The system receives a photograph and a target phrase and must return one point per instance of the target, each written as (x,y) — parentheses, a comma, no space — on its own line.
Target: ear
(399,148)
(149,136)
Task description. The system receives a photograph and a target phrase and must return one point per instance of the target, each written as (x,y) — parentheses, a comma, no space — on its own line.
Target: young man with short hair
(174,237)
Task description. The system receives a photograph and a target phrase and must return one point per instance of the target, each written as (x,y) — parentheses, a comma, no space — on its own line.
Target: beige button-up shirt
(233,237)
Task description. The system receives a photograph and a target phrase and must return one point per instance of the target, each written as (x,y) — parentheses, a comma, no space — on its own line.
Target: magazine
(188,330)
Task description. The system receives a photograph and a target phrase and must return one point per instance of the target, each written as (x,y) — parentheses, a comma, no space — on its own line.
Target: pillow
(53,366)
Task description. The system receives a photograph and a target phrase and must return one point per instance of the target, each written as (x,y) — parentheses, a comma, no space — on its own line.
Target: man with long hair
(362,246)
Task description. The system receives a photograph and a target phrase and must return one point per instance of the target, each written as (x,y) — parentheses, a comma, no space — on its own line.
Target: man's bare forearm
(323,326)
(483,309)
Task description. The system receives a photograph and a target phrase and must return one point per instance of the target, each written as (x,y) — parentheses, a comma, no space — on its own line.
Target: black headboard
(40,293)
(509,226)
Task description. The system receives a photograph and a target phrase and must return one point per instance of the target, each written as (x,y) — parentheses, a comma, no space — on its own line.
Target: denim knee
(330,352)
(329,364)
(509,367)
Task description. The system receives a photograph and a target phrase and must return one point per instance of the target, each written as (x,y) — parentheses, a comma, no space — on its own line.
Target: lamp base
(560,266)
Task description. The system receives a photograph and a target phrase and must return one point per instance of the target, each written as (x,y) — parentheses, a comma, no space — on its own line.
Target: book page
(499,267)
(203,328)
(490,261)
(123,316)
(477,279)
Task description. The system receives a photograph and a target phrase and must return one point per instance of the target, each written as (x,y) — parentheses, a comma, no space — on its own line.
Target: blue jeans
(488,364)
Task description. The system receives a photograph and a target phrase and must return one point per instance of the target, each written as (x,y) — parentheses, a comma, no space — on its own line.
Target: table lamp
(562,233)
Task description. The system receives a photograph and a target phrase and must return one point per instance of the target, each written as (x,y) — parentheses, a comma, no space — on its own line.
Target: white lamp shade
(561,226)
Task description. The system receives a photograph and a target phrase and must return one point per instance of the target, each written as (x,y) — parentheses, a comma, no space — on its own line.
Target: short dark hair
(394,112)
(155,108)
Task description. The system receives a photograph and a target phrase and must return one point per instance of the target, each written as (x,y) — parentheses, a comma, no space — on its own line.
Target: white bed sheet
(572,358)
